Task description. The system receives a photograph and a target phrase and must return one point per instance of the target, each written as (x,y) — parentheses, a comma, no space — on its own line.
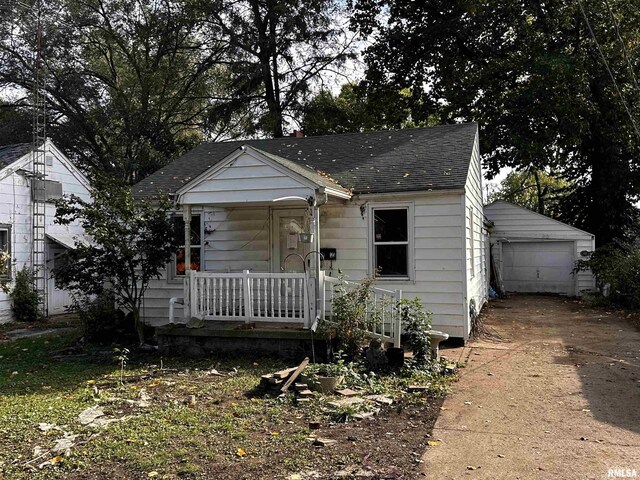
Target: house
(537,254)
(25,235)
(403,205)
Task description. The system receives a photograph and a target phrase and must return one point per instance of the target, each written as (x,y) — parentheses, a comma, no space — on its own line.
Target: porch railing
(382,317)
(284,297)
(247,296)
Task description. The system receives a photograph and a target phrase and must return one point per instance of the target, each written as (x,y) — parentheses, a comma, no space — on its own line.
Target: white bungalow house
(17,183)
(405,206)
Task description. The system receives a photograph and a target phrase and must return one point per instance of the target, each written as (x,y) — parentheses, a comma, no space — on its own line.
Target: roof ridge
(333,135)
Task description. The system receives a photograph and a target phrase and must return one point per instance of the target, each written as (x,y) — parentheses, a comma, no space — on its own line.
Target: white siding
(246,179)
(16,208)
(238,239)
(514,223)
(476,275)
(437,271)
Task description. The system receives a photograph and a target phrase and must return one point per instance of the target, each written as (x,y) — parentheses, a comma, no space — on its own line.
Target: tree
(131,243)
(533,76)
(356,110)
(537,191)
(279,50)
(128,85)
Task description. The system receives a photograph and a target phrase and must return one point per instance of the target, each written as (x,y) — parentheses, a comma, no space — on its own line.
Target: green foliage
(5,271)
(536,190)
(354,315)
(24,297)
(132,242)
(416,323)
(532,76)
(103,322)
(357,110)
(617,266)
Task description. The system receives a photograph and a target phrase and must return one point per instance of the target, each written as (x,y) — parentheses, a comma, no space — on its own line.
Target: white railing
(283,297)
(382,316)
(247,296)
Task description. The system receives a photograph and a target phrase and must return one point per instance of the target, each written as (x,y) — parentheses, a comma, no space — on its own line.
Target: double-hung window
(391,242)
(196,245)
(5,250)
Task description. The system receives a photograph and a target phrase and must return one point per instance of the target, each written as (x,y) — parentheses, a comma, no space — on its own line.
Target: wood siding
(476,240)
(16,211)
(239,239)
(245,179)
(514,223)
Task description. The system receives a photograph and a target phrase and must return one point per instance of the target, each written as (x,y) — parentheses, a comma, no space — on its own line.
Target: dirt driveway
(554,393)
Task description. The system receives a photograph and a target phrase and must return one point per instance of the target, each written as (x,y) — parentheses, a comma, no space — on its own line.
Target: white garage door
(538,267)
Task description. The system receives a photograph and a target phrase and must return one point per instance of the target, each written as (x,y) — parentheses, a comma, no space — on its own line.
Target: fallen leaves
(241,452)
(56,459)
(433,443)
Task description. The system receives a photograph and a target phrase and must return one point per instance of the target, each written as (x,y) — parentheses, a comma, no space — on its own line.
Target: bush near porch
(197,424)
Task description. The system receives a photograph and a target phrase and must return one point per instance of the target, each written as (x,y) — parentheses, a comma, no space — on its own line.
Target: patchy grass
(185,422)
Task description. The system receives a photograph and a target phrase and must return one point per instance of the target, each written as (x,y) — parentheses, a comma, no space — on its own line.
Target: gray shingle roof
(432,158)
(11,153)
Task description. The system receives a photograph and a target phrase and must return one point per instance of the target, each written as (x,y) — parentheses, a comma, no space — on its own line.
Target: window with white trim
(179,265)
(5,247)
(391,242)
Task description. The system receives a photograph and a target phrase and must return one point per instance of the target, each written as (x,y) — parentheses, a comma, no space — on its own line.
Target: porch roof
(420,159)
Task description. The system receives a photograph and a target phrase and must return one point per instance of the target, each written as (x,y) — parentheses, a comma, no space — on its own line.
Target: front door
(288,250)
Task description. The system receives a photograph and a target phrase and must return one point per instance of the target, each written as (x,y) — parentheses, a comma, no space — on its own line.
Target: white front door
(287,251)
(57,300)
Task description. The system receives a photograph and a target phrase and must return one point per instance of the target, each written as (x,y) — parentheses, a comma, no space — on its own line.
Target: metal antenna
(39,150)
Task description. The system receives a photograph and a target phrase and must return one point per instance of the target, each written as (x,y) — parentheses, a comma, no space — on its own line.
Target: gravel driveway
(552,393)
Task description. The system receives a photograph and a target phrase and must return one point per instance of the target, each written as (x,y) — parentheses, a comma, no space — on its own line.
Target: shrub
(103,322)
(617,266)
(354,315)
(24,297)
(416,323)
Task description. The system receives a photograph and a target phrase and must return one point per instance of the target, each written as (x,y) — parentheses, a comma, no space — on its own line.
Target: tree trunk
(138,324)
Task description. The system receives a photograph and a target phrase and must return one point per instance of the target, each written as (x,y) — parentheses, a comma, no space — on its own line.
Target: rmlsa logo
(622,473)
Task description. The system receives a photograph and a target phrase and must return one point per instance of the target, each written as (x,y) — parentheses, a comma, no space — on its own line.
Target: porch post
(186,216)
(315,209)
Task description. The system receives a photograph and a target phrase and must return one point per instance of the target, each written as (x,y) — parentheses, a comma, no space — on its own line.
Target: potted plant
(326,377)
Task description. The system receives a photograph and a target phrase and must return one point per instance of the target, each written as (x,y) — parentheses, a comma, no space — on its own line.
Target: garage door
(538,267)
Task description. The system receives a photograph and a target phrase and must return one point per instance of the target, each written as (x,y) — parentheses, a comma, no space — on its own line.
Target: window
(5,248)
(196,245)
(391,242)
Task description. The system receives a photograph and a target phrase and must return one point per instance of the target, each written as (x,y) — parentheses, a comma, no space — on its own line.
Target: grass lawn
(185,422)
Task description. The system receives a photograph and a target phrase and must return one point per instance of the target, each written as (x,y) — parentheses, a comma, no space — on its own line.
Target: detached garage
(533,253)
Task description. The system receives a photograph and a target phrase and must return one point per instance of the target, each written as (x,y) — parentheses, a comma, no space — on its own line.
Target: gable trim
(256,154)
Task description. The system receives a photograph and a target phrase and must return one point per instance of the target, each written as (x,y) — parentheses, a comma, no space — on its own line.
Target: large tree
(535,75)
(279,52)
(356,109)
(128,84)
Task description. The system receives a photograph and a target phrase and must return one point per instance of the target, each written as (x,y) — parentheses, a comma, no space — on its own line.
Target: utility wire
(606,64)
(625,52)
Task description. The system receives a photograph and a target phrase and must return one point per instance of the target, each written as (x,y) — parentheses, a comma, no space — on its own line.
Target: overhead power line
(606,65)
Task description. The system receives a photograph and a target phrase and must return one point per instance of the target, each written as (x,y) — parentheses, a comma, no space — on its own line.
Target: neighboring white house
(537,254)
(407,204)
(16,214)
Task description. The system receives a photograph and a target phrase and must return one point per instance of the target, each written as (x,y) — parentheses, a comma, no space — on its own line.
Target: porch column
(315,224)
(186,215)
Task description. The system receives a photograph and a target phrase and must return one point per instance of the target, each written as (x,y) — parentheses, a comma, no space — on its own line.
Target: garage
(532,253)
(542,267)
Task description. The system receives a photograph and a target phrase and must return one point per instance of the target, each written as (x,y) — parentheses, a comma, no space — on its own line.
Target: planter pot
(328,384)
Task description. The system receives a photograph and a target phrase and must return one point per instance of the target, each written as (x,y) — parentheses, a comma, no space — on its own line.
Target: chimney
(297,134)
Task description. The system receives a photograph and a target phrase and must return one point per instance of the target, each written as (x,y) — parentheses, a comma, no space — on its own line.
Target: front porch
(251,259)
(279,303)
